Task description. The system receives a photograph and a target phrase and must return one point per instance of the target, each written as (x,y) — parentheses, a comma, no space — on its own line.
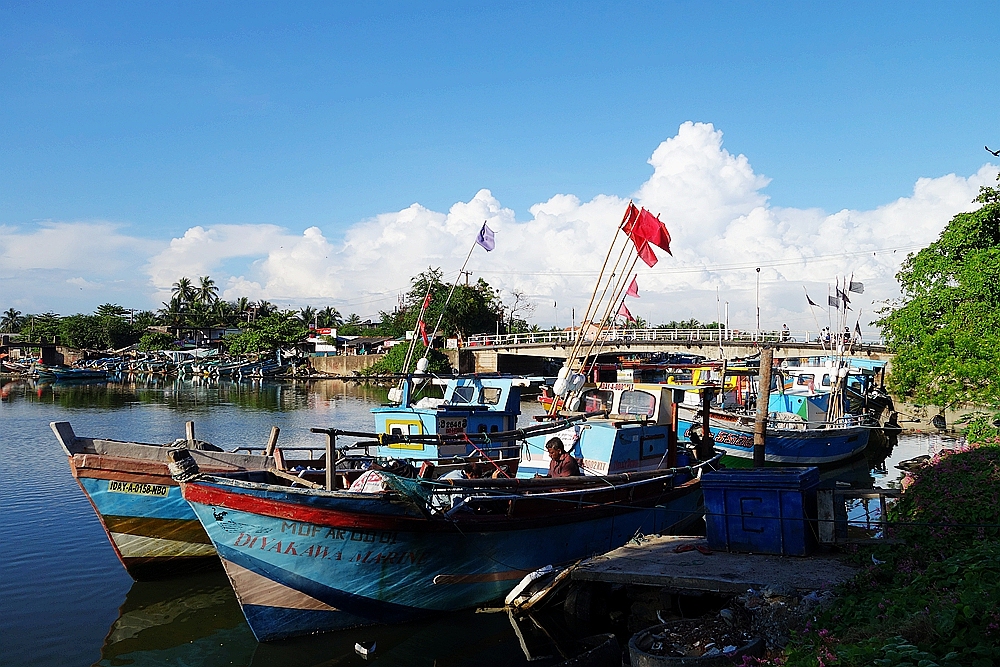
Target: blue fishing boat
(154,531)
(151,528)
(312,560)
(798,432)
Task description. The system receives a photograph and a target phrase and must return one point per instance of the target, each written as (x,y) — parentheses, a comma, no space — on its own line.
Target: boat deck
(654,562)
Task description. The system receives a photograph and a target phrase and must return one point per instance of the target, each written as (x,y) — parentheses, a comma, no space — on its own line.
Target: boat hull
(321,562)
(152,529)
(787,446)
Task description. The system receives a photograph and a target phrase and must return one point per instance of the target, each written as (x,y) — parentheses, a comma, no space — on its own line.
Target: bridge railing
(659,335)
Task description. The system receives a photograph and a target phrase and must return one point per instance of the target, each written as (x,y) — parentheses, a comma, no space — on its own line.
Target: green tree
(392,362)
(12,321)
(351,326)
(183,290)
(43,328)
(473,308)
(206,291)
(267,334)
(154,340)
(945,330)
(330,317)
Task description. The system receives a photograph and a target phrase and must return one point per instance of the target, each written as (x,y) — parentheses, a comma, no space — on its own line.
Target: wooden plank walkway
(655,562)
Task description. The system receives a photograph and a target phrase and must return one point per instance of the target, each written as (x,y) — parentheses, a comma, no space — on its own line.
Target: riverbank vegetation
(945,331)
(932,598)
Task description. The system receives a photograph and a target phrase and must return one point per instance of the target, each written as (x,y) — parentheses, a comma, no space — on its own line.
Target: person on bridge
(785,334)
(561,463)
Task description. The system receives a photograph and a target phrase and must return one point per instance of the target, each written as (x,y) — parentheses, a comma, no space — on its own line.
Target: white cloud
(722,223)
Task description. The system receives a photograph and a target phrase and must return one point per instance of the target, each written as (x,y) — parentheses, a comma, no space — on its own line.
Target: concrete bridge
(527,353)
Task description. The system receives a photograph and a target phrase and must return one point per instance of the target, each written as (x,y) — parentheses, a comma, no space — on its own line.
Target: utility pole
(758,304)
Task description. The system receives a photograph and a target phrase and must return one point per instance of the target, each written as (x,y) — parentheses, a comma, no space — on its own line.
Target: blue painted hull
(790,446)
(304,562)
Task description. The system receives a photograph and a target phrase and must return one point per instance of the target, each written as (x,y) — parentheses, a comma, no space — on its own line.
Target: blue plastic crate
(764,511)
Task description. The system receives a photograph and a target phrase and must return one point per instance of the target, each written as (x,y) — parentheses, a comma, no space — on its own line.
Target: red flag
(423,333)
(623,311)
(631,227)
(427,300)
(654,231)
(633,289)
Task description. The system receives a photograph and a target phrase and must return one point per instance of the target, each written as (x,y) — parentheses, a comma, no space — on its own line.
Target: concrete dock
(655,562)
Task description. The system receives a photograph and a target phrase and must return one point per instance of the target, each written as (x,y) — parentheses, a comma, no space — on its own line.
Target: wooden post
(331,450)
(672,431)
(763,397)
(707,446)
(189,432)
(272,441)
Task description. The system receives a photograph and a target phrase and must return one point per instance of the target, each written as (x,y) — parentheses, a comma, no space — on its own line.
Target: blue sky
(162,117)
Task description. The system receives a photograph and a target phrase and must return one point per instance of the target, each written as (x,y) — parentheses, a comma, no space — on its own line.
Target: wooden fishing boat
(153,531)
(313,560)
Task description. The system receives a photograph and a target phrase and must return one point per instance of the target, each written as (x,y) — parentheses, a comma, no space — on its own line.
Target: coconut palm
(264,308)
(183,290)
(307,315)
(12,321)
(206,292)
(329,317)
(173,312)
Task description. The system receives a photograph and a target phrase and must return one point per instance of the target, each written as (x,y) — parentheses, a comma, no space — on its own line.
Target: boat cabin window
(490,396)
(805,379)
(826,380)
(637,403)
(595,400)
(404,429)
(463,394)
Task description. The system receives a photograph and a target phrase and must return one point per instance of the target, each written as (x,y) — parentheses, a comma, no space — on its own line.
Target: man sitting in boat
(562,463)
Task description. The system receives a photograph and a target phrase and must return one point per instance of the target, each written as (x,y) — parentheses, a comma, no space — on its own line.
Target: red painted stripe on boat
(215,496)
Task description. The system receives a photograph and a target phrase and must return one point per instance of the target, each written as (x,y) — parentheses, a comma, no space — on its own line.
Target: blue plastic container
(764,511)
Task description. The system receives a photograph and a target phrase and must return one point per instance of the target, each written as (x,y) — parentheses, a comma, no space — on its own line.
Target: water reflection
(193,620)
(196,620)
(189,394)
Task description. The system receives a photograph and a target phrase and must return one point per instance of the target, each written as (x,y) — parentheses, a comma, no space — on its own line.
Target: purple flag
(485,238)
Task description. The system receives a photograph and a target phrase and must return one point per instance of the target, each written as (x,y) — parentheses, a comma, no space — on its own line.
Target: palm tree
(307,315)
(183,290)
(206,292)
(330,317)
(12,321)
(173,312)
(264,308)
(353,320)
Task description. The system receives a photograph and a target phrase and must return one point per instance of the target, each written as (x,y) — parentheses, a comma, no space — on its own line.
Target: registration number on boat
(138,488)
(451,426)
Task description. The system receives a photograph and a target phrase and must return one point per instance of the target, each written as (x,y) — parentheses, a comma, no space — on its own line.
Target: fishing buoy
(560,386)
(422,364)
(395,395)
(574,404)
(563,373)
(576,380)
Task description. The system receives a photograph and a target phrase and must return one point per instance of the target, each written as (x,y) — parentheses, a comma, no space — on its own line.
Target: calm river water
(66,600)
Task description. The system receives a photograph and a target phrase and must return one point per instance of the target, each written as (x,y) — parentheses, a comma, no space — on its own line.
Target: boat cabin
(469,405)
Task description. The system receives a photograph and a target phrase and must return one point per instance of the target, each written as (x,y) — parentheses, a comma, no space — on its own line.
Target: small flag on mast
(811,302)
(633,288)
(857,328)
(423,333)
(833,301)
(485,238)
(623,311)
(857,288)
